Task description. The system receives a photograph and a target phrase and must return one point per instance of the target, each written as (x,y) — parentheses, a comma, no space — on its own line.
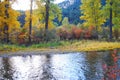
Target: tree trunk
(6,27)
(110,36)
(30,23)
(47,15)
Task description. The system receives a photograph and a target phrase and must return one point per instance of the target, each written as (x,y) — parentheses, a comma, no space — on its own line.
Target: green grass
(84,45)
(9,47)
(46,45)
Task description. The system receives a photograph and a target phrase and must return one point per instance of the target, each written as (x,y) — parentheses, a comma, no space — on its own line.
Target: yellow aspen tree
(8,21)
(92,13)
(54,12)
(112,13)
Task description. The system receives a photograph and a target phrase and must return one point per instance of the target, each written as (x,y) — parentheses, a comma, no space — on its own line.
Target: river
(70,66)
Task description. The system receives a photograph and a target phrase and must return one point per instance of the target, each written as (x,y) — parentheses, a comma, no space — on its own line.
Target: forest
(69,40)
(96,20)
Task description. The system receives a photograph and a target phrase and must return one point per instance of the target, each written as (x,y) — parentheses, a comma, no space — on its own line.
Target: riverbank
(92,46)
(59,47)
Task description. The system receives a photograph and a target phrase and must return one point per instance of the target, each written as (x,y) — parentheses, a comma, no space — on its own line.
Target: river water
(69,66)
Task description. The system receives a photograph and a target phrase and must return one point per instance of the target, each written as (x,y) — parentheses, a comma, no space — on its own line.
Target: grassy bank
(63,46)
(41,46)
(91,46)
(10,48)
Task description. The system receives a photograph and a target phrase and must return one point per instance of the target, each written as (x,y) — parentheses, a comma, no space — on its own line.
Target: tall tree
(8,20)
(47,6)
(47,12)
(30,23)
(111,3)
(92,13)
(6,27)
(112,13)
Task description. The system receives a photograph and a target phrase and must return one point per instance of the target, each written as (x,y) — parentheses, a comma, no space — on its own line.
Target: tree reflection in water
(47,68)
(7,69)
(111,66)
(93,64)
(72,66)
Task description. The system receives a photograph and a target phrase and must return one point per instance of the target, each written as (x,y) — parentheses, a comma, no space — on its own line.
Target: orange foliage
(91,28)
(87,34)
(21,38)
(77,32)
(90,33)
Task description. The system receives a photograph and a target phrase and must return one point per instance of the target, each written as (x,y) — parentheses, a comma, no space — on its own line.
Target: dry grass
(91,46)
(84,45)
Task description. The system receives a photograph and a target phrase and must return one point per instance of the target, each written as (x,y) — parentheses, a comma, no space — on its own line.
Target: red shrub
(77,32)
(21,38)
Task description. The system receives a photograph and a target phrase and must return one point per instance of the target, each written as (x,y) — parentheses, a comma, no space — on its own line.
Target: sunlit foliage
(116,12)
(113,5)
(54,12)
(11,21)
(91,46)
(27,20)
(92,13)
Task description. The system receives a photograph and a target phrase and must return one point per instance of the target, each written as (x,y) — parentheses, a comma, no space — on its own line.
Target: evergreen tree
(72,11)
(65,22)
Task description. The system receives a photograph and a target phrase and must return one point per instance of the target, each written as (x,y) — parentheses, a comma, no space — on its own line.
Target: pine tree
(65,22)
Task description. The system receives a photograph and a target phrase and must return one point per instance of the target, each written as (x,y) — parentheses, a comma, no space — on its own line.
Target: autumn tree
(47,11)
(112,13)
(92,13)
(30,23)
(47,6)
(8,20)
(39,18)
(6,27)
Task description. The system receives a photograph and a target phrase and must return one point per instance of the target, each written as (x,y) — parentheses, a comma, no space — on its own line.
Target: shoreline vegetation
(59,47)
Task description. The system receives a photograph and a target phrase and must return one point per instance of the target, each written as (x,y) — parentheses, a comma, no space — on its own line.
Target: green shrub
(49,35)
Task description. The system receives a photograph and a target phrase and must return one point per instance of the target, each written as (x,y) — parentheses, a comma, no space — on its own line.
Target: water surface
(70,66)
